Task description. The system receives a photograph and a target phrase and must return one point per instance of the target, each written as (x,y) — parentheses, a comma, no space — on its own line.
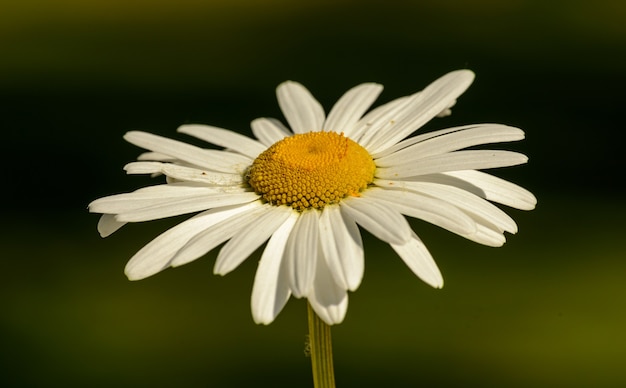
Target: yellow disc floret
(311,170)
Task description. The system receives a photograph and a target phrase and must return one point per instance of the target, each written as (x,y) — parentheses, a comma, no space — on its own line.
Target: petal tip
(132,276)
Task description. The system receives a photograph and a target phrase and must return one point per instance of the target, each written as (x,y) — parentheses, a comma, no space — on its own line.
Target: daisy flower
(307,188)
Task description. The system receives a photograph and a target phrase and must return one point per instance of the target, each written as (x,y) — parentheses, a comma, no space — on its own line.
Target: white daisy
(308,189)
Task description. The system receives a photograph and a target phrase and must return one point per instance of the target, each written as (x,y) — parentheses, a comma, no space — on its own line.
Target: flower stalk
(321,351)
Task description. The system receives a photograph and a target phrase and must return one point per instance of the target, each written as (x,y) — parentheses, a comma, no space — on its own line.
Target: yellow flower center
(311,170)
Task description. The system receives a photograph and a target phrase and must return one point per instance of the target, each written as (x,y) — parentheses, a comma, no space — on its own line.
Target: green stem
(321,351)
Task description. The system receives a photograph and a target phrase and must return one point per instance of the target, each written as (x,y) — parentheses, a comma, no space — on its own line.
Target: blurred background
(546,309)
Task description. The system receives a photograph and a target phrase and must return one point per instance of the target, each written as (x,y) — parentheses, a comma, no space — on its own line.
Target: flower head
(306,190)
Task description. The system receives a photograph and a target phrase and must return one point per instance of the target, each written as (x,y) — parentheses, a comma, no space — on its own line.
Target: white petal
(462,199)
(426,208)
(271,291)
(429,135)
(453,161)
(156,255)
(185,205)
(301,253)
(188,174)
(489,221)
(447,142)
(497,189)
(107,225)
(343,247)
(448,111)
(487,235)
(301,109)
(156,156)
(190,187)
(211,237)
(269,131)
(348,110)
(146,167)
(250,238)
(418,139)
(379,117)
(328,299)
(378,218)
(224,138)
(416,256)
(433,100)
(148,196)
(183,151)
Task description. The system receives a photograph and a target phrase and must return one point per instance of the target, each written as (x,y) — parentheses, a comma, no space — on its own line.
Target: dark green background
(546,309)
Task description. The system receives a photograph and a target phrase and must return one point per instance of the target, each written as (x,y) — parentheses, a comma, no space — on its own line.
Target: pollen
(311,170)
